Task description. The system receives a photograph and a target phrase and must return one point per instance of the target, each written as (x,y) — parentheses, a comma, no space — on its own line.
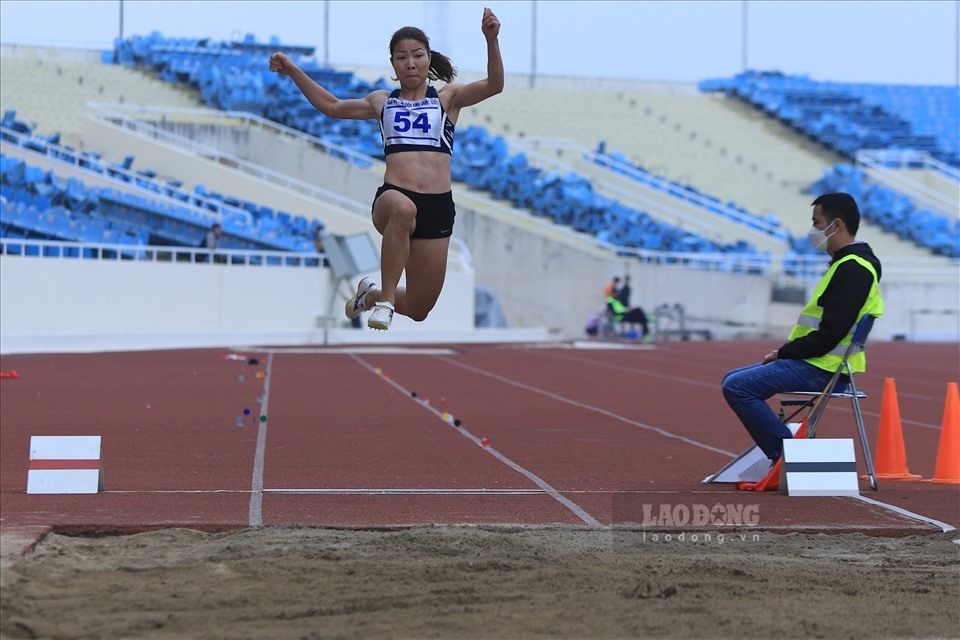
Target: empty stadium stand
(895,212)
(848,117)
(722,147)
(155,212)
(50,94)
(233,76)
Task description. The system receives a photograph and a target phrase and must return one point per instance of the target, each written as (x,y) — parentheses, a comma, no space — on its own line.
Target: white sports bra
(415,125)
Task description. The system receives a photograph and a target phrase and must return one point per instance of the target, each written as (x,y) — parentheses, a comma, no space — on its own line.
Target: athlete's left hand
(490,25)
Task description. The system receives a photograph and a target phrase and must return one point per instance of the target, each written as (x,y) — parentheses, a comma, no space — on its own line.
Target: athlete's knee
(403,215)
(417,312)
(418,315)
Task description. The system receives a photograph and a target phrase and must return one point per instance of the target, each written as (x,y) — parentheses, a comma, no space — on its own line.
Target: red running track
(576,436)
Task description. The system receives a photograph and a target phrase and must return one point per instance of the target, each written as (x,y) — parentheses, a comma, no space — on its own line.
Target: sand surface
(480,582)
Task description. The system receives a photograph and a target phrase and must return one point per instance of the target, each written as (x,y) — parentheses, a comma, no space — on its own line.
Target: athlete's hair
(441,68)
(840,205)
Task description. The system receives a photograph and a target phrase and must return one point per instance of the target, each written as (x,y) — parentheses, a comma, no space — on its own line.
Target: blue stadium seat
(848,117)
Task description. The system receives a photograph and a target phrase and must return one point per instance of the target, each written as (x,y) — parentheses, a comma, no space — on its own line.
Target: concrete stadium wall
(64,305)
(87,301)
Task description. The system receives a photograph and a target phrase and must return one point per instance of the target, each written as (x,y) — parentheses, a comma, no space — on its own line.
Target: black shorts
(435,211)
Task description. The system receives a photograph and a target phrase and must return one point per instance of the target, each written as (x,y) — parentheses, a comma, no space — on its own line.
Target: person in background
(318,239)
(211,242)
(636,315)
(612,288)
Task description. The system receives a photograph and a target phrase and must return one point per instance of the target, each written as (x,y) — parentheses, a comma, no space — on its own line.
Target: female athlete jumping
(414,209)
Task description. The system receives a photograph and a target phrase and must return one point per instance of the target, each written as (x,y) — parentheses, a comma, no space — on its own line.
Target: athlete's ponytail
(441,67)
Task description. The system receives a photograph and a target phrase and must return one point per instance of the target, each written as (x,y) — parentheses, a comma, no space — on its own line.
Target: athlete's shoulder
(451,88)
(377,98)
(378,94)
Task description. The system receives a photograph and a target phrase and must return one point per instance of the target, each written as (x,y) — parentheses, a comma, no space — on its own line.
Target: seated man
(813,351)
(621,314)
(637,313)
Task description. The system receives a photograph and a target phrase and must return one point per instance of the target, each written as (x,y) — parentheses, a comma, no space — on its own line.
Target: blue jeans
(747,390)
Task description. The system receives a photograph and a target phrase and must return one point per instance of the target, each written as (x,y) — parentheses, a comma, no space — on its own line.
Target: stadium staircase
(51,94)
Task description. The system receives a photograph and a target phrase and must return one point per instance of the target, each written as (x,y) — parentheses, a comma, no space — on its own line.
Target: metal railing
(211,211)
(674,216)
(107,252)
(131,119)
(751,224)
(879,163)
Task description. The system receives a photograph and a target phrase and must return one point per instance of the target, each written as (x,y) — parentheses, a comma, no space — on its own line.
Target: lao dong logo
(700,515)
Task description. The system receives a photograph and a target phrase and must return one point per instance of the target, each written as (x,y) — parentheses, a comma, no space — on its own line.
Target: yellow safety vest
(616,307)
(811,315)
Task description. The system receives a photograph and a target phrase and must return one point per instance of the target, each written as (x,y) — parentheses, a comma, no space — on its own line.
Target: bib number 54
(401,120)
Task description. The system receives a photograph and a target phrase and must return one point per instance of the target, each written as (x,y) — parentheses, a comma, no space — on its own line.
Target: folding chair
(612,328)
(818,402)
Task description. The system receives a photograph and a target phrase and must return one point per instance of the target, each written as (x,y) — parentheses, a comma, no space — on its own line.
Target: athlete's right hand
(280,63)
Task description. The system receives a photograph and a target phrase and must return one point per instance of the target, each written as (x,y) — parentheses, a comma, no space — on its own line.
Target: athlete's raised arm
(324,101)
(465,95)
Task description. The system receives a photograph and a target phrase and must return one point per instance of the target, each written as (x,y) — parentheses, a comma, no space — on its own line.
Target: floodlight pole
(121,20)
(326,33)
(743,35)
(533,43)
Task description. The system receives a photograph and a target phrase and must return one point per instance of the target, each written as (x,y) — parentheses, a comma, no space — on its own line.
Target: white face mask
(818,238)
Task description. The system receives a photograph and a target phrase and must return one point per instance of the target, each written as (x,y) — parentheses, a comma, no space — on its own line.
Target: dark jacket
(841,302)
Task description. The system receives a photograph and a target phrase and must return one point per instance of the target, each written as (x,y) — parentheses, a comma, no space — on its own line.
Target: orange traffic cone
(948,455)
(891,459)
(771,482)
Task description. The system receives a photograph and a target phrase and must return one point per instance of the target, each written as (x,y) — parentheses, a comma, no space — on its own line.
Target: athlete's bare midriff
(420,171)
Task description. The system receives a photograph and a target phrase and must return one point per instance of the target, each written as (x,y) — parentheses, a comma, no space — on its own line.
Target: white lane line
(178,491)
(441,491)
(374,350)
(410,492)
(537,480)
(255,515)
(916,516)
(588,407)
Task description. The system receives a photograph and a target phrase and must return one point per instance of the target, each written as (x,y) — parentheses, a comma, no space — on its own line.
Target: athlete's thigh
(426,271)
(392,203)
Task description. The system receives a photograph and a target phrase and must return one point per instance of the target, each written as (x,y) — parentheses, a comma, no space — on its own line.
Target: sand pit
(481,582)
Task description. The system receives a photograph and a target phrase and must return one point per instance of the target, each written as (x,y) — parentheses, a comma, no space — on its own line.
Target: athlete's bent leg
(395,217)
(426,271)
